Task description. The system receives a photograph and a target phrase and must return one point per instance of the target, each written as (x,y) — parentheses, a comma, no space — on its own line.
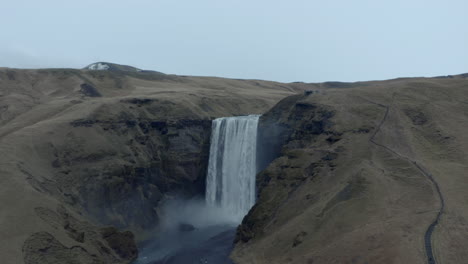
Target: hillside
(103,147)
(355,172)
(372,172)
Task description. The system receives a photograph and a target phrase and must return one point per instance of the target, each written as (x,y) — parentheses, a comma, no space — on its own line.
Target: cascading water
(230,193)
(230,183)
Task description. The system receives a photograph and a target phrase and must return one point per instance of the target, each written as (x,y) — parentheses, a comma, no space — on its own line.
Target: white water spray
(230,193)
(230,183)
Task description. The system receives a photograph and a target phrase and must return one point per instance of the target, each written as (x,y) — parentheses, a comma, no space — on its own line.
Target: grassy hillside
(367,170)
(355,179)
(106,146)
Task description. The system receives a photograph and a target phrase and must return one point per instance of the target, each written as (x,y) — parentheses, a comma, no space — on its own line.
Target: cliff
(350,172)
(369,172)
(84,149)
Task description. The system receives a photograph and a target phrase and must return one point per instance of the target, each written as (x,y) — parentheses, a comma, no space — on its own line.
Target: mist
(190,230)
(203,230)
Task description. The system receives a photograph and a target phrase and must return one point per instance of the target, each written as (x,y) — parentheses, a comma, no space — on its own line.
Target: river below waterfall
(205,245)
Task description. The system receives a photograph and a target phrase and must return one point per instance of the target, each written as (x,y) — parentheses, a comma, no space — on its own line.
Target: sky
(287,41)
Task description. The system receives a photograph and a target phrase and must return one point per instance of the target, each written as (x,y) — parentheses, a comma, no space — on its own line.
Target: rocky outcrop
(123,243)
(285,132)
(109,143)
(42,247)
(89,90)
(88,243)
(122,186)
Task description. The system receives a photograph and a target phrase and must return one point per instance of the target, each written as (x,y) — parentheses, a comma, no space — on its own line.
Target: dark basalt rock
(123,243)
(161,156)
(417,117)
(334,138)
(138,101)
(283,131)
(42,247)
(89,90)
(299,238)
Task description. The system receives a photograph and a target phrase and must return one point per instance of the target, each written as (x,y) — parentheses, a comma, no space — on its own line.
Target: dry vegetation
(358,178)
(348,187)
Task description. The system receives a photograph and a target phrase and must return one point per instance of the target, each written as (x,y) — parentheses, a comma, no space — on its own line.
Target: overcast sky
(294,40)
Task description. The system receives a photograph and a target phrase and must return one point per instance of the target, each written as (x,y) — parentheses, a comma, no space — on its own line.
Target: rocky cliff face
(117,168)
(103,245)
(361,173)
(105,146)
(286,132)
(124,186)
(350,172)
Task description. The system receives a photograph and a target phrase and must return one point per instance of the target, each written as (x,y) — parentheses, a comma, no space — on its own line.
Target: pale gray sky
(294,40)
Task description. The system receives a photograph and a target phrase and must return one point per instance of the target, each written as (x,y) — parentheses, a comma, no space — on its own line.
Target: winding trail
(430,229)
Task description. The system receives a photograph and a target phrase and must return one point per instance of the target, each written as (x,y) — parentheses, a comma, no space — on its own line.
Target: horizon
(212,76)
(306,41)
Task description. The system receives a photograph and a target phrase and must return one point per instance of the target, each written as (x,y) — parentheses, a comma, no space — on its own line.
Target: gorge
(229,195)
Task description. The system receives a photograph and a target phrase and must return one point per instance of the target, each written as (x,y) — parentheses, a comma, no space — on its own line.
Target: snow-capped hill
(115,68)
(107,66)
(98,67)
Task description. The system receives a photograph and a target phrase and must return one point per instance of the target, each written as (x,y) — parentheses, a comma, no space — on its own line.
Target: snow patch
(98,67)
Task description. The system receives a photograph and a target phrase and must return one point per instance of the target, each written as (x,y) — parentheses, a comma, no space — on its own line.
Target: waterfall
(230,183)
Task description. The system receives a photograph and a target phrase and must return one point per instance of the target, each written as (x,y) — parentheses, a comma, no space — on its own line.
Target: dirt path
(429,231)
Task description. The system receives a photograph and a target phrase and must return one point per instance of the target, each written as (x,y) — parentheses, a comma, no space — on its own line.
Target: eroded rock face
(116,166)
(285,133)
(108,145)
(126,178)
(123,243)
(42,247)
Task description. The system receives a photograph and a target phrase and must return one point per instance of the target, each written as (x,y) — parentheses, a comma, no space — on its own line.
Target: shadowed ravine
(429,231)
